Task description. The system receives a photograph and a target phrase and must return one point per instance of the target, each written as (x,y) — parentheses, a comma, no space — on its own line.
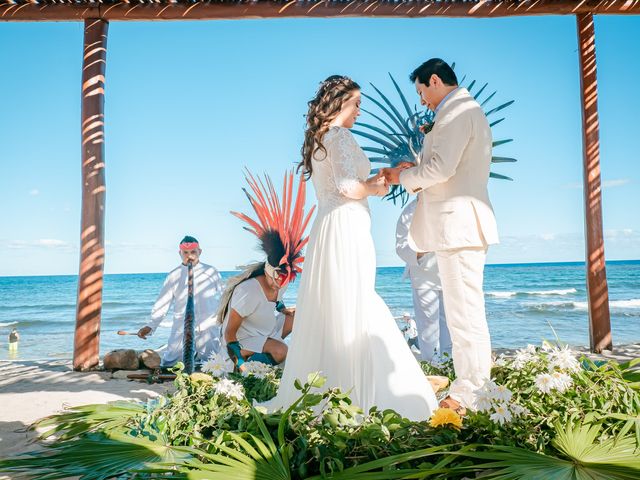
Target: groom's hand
(392,175)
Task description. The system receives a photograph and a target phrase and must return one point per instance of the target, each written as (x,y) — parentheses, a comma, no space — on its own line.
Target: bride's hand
(378,184)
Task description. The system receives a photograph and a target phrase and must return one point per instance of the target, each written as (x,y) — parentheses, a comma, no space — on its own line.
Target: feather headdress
(280,225)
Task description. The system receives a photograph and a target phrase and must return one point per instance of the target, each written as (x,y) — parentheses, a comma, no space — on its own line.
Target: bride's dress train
(343,328)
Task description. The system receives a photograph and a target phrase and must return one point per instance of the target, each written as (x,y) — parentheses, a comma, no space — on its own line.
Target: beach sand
(30,390)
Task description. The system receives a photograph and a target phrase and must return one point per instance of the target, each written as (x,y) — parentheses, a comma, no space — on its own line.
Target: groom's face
(427,95)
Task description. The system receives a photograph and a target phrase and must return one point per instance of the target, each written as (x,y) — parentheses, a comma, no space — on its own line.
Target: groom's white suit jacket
(451,178)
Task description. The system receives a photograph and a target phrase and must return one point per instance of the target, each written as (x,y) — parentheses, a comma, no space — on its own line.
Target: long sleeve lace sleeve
(343,150)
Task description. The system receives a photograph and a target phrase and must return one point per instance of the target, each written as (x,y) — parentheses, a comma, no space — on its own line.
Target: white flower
(545,382)
(502,394)
(564,359)
(218,365)
(501,361)
(524,356)
(519,410)
(502,414)
(561,381)
(256,369)
(229,388)
(484,400)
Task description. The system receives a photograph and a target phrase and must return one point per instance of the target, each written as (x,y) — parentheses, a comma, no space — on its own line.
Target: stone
(149,359)
(123,359)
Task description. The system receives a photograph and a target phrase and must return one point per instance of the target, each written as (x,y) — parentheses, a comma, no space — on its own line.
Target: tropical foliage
(544,415)
(397,130)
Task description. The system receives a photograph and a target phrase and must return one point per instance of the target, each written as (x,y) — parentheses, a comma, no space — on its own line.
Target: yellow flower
(198,377)
(445,416)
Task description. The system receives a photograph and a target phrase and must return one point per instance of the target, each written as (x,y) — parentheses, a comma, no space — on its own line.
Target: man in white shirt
(207,289)
(422,269)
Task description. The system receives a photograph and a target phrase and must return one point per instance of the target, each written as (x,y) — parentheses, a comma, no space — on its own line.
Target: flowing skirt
(343,328)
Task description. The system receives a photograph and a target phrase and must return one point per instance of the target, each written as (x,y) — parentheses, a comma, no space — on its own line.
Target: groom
(454,217)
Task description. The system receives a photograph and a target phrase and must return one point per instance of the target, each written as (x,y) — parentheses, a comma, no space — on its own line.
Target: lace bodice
(336,175)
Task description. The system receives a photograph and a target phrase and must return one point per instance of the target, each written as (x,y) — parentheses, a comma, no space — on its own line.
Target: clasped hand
(379,184)
(392,175)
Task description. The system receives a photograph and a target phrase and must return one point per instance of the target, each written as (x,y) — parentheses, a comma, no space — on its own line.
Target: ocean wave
(633,303)
(507,294)
(8,324)
(613,304)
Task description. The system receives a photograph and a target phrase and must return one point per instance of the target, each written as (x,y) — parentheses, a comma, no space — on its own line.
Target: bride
(343,328)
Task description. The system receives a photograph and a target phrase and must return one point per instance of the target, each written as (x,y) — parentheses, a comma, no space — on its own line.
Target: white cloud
(548,236)
(41,243)
(34,192)
(615,183)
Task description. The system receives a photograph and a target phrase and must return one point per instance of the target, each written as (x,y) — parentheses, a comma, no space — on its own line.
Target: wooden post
(89,304)
(597,290)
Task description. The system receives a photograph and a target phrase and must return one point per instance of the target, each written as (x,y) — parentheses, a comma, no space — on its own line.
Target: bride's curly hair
(323,108)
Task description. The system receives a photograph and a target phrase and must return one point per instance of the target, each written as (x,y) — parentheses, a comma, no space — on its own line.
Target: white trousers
(433,333)
(461,273)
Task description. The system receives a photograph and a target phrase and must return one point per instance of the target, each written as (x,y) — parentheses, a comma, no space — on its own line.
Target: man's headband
(189,246)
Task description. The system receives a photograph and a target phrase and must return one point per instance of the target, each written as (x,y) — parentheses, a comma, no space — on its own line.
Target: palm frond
(96,456)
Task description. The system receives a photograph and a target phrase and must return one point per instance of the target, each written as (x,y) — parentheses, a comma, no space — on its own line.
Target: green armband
(233,348)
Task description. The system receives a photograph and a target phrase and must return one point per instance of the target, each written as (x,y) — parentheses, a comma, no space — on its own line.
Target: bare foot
(453,405)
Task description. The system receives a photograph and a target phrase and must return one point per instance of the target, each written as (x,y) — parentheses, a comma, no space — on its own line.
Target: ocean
(525,303)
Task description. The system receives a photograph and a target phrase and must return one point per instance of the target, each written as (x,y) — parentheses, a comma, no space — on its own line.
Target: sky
(190,104)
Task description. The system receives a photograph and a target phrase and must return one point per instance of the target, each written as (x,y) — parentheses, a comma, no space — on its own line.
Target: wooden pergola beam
(89,304)
(597,290)
(45,10)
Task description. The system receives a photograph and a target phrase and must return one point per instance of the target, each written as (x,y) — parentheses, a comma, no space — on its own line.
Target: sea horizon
(515,264)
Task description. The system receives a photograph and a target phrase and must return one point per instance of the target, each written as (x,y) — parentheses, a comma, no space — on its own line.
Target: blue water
(522,301)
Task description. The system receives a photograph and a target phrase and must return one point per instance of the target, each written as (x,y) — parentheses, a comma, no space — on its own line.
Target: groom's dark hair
(435,66)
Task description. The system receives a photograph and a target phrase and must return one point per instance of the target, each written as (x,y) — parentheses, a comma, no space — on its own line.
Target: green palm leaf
(378,140)
(96,456)
(503,159)
(88,418)
(616,458)
(381,469)
(393,137)
(387,112)
(499,176)
(502,142)
(404,102)
(397,114)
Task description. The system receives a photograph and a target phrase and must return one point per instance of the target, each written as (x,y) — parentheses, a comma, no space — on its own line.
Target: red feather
(286,216)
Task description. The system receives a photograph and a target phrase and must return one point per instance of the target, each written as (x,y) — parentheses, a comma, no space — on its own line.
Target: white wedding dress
(342,328)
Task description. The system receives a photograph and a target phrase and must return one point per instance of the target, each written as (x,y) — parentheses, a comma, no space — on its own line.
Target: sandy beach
(30,390)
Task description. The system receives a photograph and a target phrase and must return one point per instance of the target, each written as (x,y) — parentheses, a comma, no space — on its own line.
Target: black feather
(272,245)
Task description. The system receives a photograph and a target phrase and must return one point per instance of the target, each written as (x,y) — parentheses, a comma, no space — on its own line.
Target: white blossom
(484,400)
(563,359)
(501,415)
(229,388)
(256,369)
(501,361)
(545,382)
(502,394)
(524,356)
(218,365)
(519,410)
(561,381)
